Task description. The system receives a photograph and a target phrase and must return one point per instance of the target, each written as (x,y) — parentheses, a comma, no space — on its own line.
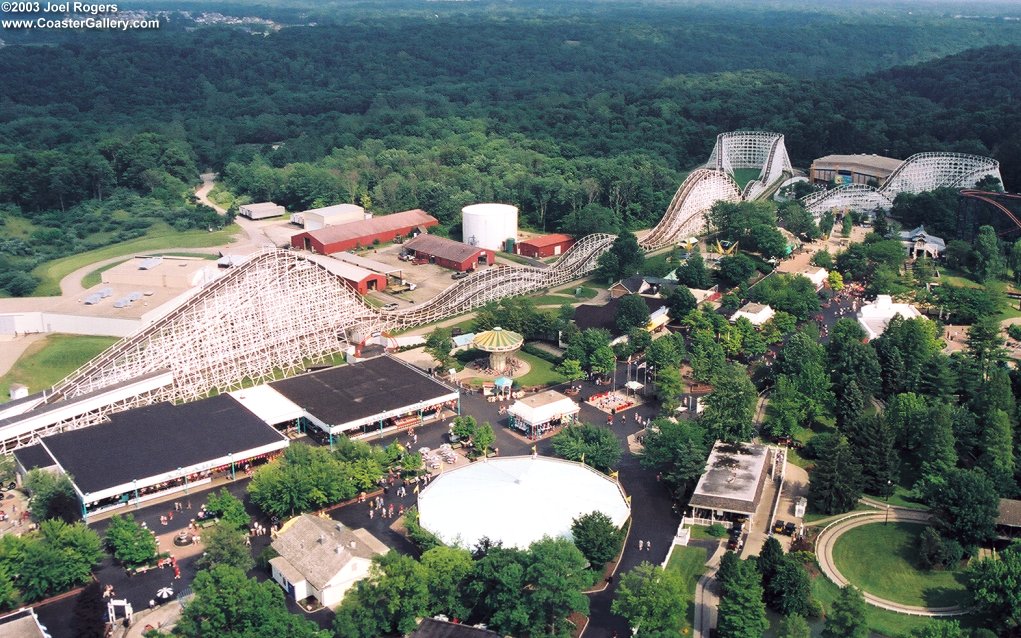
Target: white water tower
(489,225)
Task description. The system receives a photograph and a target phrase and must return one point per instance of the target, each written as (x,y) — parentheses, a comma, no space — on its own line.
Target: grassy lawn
(744,175)
(811,517)
(880,621)
(882,560)
(701,533)
(51,359)
(160,237)
(689,562)
(96,276)
(541,372)
(657,265)
(553,300)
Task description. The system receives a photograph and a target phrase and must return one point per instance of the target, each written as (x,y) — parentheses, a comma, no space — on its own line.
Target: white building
(818,276)
(757,313)
(874,317)
(318,218)
(321,558)
(262,210)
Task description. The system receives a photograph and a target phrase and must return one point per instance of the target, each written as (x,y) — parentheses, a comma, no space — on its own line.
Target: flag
(615,474)
(534,451)
(416,489)
(628,499)
(640,366)
(583,457)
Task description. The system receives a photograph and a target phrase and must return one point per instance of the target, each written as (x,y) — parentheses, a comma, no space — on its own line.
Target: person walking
(641,545)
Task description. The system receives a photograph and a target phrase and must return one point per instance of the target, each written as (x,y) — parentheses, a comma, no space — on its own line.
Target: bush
(816,444)
(421,537)
(1014,331)
(716,530)
(936,552)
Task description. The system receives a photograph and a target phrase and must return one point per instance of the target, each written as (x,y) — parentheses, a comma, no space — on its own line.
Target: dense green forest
(585,115)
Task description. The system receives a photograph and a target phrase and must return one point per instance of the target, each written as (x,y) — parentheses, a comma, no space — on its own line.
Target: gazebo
(503,385)
(499,343)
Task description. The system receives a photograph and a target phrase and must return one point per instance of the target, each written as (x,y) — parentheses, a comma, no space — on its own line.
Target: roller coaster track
(279,311)
(919,173)
(988,198)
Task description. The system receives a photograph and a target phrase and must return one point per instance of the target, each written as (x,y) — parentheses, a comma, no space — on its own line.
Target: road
(828,538)
(707,596)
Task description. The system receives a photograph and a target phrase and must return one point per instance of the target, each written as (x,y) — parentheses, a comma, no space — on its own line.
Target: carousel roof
(498,340)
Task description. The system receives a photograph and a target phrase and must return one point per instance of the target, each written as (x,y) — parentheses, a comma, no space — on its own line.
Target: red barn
(448,253)
(385,228)
(545,246)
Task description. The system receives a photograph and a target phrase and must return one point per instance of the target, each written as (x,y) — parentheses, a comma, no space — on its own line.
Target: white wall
(36,322)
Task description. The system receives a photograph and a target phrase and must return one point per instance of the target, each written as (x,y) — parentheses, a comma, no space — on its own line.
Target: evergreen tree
(849,406)
(787,408)
(874,447)
(742,612)
(769,560)
(707,356)
(937,452)
(847,618)
(794,626)
(989,262)
(852,360)
(790,591)
(836,481)
(998,457)
(693,272)
(964,505)
(938,378)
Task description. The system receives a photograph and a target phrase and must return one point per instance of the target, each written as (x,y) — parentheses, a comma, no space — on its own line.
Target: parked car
(790,529)
(460,275)
(391,306)
(779,526)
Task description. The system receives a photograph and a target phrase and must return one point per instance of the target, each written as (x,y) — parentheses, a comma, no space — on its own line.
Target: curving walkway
(828,538)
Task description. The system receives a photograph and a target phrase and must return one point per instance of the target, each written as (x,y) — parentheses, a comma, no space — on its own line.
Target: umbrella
(634,385)
(502,382)
(165,593)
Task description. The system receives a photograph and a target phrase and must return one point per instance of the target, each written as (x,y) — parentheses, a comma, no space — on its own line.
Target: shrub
(716,530)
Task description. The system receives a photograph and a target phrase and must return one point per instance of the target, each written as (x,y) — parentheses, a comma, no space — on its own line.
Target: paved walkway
(707,596)
(828,538)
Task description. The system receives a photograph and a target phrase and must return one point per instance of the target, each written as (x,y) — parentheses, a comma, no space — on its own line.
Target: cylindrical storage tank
(489,225)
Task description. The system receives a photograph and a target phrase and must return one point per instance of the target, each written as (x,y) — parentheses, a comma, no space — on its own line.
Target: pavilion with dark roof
(369,396)
(732,484)
(156,450)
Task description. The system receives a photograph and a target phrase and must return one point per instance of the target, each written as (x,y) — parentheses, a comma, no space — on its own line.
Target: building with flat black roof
(367,396)
(156,450)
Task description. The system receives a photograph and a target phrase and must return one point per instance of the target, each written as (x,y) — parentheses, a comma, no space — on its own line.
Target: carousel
(501,345)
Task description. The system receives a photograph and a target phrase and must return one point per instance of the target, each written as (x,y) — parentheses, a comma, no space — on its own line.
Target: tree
(678,451)
(1014,260)
(397,588)
(742,614)
(964,505)
(498,586)
(555,578)
(847,617)
(639,339)
(438,345)
(632,312)
(228,604)
(665,353)
(769,560)
(736,269)
(307,478)
(730,407)
(852,360)
(823,259)
(52,496)
(794,626)
(483,439)
(570,369)
(595,445)
(989,262)
(669,388)
(873,443)
(693,272)
(52,560)
(447,572)
(651,599)
(793,294)
(835,280)
(849,406)
(603,362)
(790,590)
(226,545)
(597,537)
(9,593)
(130,543)
(624,258)
(836,481)
(998,457)
(994,589)
(707,356)
(680,302)
(229,509)
(787,408)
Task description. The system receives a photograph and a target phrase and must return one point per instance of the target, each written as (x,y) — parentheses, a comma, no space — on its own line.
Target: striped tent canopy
(498,340)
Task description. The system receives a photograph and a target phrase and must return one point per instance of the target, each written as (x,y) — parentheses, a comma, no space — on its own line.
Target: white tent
(517,500)
(268,404)
(542,408)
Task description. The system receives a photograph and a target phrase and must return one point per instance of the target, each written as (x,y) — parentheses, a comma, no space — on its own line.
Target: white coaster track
(279,312)
(917,174)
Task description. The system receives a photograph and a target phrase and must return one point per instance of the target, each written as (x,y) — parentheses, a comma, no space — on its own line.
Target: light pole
(888,484)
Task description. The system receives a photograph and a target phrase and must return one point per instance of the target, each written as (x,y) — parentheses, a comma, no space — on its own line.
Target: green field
(744,175)
(882,560)
(689,562)
(51,359)
(160,237)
